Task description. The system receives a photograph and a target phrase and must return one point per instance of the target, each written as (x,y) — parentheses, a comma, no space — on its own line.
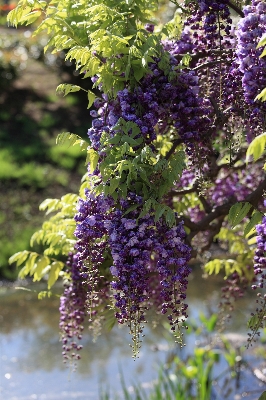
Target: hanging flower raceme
(260,255)
(133,241)
(155,105)
(72,311)
(210,22)
(85,292)
(257,320)
(251,66)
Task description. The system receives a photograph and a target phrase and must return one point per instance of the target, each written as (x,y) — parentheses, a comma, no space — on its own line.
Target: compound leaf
(237,212)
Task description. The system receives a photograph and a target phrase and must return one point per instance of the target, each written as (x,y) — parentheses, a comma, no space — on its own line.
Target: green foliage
(71,140)
(69,158)
(57,232)
(29,174)
(92,159)
(229,266)
(193,376)
(67,88)
(127,165)
(262,396)
(37,266)
(93,33)
(188,200)
(236,242)
(254,220)
(256,147)
(238,212)
(209,323)
(56,235)
(240,256)
(262,43)
(262,95)
(172,29)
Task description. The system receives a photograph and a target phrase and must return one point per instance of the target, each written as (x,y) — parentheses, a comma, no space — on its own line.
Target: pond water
(31,364)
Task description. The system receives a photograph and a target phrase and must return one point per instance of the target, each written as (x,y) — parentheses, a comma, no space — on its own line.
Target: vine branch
(236,9)
(222,210)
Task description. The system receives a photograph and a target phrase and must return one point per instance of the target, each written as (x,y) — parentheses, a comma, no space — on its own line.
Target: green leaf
(262,41)
(50,204)
(92,159)
(31,17)
(40,266)
(237,212)
(214,266)
(159,212)
(130,140)
(19,257)
(31,261)
(91,98)
(56,267)
(131,208)
(256,147)
(71,139)
(43,294)
(66,88)
(255,219)
(114,183)
(253,321)
(186,60)
(139,72)
(262,95)
(252,240)
(115,139)
(262,396)
(70,198)
(170,217)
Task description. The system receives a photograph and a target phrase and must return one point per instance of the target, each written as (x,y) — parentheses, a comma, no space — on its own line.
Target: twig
(210,63)
(205,53)
(176,143)
(182,192)
(222,210)
(215,230)
(207,207)
(236,9)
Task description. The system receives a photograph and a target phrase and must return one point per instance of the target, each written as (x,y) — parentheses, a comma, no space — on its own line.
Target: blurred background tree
(31,116)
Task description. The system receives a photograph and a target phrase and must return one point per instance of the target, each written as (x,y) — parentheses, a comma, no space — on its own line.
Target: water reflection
(31,364)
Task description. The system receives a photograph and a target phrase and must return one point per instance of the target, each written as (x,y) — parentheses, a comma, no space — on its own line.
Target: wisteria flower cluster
(86,291)
(260,255)
(210,22)
(252,67)
(133,242)
(164,106)
(156,105)
(149,259)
